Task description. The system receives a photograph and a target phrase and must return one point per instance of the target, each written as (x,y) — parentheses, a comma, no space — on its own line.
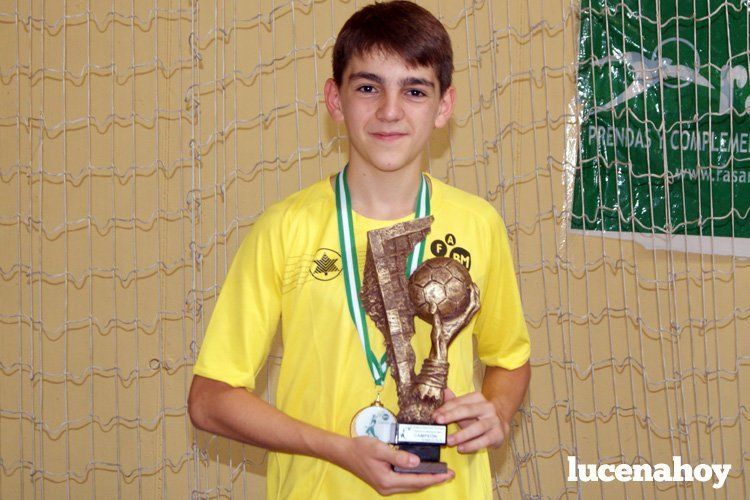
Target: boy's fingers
(395,482)
(464,411)
(484,441)
(403,459)
(472,431)
(472,397)
(448,395)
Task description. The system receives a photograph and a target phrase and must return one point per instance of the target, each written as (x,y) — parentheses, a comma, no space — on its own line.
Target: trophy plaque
(440,292)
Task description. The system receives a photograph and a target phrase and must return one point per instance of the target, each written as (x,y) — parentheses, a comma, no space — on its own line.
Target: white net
(140,140)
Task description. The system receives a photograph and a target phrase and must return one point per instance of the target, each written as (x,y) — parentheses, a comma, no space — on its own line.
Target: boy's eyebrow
(366,76)
(411,80)
(417,81)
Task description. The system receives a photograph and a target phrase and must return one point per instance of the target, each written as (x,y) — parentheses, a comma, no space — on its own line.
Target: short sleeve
(246,316)
(502,337)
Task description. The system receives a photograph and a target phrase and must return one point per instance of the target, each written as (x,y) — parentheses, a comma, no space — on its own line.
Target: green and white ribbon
(378,367)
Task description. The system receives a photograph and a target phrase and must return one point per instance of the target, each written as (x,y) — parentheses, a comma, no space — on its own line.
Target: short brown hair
(398,28)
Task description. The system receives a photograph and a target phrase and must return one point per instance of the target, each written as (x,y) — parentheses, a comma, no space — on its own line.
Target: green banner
(664,95)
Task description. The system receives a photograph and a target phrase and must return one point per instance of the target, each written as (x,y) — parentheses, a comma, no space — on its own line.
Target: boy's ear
(445,110)
(333,100)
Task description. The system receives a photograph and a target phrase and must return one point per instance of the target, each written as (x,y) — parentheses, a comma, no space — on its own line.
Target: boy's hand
(480,425)
(372,461)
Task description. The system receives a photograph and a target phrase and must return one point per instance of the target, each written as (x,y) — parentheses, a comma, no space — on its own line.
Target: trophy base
(429,459)
(424,468)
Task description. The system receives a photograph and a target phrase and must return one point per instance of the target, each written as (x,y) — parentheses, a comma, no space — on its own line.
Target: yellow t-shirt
(289,268)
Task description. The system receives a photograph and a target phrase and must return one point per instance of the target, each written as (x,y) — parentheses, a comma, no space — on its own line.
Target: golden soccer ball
(443,283)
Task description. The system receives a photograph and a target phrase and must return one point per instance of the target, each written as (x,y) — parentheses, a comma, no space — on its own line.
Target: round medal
(374,421)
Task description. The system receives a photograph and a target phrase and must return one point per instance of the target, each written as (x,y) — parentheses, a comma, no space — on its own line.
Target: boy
(392,66)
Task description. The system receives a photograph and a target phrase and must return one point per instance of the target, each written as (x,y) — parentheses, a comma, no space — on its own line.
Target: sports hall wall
(139,142)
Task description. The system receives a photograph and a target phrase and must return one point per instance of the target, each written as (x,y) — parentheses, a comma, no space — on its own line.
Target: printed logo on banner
(652,70)
(665,131)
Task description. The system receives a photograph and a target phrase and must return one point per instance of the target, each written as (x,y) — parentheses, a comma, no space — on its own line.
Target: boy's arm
(484,417)
(238,414)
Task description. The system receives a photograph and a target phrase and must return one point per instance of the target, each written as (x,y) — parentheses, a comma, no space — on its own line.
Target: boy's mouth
(388,136)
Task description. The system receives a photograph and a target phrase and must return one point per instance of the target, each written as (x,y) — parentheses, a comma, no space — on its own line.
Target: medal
(374,421)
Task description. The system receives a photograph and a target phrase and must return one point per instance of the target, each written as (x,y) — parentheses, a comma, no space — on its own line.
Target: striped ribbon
(378,367)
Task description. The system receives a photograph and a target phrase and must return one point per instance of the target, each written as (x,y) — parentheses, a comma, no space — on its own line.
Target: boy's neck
(383,195)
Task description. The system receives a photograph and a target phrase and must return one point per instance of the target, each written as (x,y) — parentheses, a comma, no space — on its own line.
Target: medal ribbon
(378,367)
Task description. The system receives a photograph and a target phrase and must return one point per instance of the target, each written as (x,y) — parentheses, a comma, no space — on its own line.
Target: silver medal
(374,421)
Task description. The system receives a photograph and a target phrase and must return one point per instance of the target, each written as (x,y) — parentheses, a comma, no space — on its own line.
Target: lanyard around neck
(378,367)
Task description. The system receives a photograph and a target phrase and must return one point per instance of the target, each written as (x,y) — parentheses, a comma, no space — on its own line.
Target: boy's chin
(393,165)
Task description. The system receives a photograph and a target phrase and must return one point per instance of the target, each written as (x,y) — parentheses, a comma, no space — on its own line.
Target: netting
(139,142)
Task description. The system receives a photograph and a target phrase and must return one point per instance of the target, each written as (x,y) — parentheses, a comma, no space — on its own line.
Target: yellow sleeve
(244,321)
(502,338)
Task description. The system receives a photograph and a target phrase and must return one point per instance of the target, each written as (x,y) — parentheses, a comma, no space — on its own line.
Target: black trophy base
(429,459)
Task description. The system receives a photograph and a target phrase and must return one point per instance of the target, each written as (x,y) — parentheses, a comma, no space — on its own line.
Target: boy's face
(389,110)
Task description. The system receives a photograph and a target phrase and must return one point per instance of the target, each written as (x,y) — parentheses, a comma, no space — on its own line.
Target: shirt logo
(439,248)
(326,264)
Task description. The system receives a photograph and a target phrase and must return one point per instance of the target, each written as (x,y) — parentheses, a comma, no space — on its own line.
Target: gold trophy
(440,291)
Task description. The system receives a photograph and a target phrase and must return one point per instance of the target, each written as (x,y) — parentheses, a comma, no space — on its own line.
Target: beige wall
(140,140)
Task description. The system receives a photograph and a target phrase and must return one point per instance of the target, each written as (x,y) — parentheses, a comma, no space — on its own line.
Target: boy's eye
(366,89)
(415,93)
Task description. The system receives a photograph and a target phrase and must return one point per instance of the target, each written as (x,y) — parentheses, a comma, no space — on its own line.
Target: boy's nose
(390,108)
